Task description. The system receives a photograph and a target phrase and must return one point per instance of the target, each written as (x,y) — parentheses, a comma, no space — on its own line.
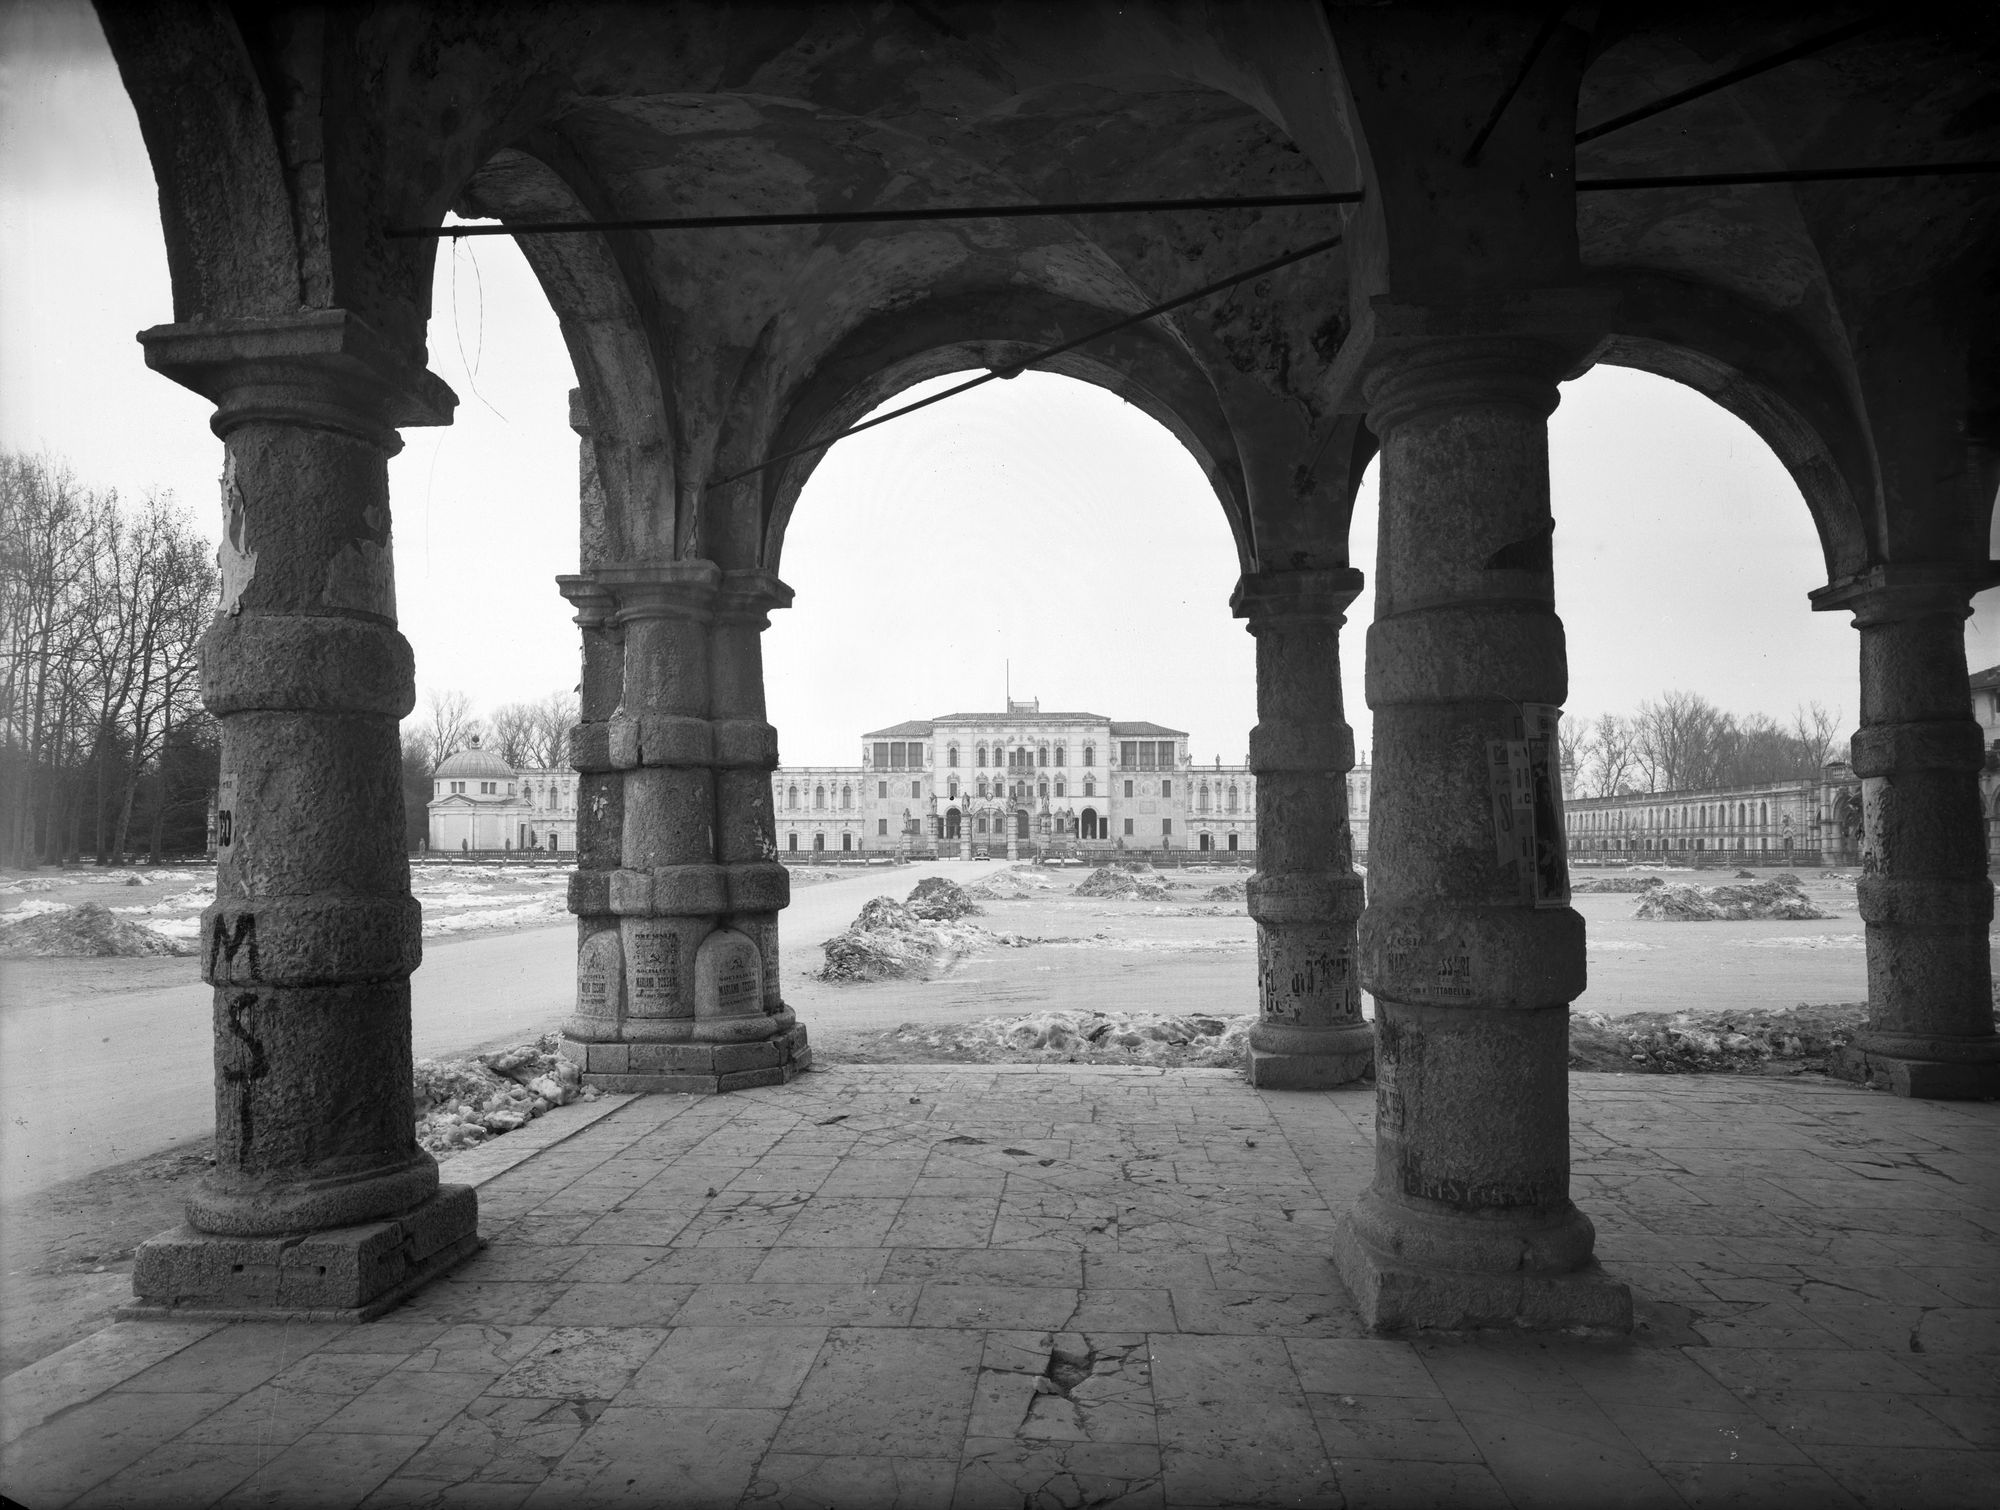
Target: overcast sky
(1040,522)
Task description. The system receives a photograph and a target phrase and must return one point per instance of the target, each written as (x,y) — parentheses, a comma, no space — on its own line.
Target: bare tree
(513,730)
(1574,737)
(450,724)
(1681,741)
(1816,730)
(1613,762)
(554,716)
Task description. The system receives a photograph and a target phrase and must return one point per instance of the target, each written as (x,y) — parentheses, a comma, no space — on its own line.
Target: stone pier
(1305,895)
(1468,943)
(320,1204)
(1924,894)
(677,952)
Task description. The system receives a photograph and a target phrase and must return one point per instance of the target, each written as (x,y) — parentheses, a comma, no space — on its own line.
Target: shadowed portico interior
(1849,322)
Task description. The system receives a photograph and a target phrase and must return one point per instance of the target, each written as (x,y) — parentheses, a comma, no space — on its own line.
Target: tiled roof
(914,728)
(1141,729)
(1023,718)
(1990,677)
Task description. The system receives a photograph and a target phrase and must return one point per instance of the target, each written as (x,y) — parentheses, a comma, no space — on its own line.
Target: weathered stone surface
(346,1273)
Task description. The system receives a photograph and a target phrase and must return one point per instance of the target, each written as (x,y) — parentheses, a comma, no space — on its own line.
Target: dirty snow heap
(1779,898)
(89,930)
(893,940)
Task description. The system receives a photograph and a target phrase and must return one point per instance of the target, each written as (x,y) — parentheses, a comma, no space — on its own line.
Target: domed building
(475,802)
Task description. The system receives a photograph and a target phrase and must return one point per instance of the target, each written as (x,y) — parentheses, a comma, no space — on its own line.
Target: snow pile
(937,900)
(889,941)
(461,1102)
(1584,886)
(88,931)
(1779,898)
(1183,1040)
(1791,1039)
(492,912)
(1106,882)
(1012,885)
(1229,891)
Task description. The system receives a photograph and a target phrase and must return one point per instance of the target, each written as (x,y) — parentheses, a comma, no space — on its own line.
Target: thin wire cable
(1047,353)
(1541,40)
(1748,70)
(1790,176)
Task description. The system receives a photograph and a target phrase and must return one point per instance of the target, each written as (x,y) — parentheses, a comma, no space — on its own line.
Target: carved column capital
(1265,596)
(1897,591)
(748,597)
(324,368)
(1504,347)
(660,589)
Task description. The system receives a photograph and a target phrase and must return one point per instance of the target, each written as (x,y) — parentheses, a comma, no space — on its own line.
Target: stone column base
(1286,1058)
(1976,1077)
(1396,1295)
(695,1069)
(341,1274)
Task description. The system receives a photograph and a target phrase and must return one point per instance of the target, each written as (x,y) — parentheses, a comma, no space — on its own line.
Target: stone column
(1304,895)
(321,1202)
(677,984)
(1924,896)
(1468,943)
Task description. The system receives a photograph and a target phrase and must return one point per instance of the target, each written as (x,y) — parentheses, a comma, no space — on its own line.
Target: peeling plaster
(233,558)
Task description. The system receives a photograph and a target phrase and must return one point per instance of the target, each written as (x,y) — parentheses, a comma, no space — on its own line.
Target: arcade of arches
(1851,323)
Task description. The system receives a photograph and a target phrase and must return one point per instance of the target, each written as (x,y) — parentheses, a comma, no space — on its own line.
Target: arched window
(1763,812)
(1060,753)
(951,755)
(981,752)
(1090,754)
(1059,786)
(846,798)
(1233,797)
(792,798)
(1044,753)
(1043,790)
(819,798)
(1201,799)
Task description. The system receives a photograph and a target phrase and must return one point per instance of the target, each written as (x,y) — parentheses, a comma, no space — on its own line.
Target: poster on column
(1524,783)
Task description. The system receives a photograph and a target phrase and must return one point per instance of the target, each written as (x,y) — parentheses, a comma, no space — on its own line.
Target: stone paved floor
(929,1286)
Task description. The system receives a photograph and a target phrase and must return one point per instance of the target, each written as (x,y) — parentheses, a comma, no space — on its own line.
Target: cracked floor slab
(855,1291)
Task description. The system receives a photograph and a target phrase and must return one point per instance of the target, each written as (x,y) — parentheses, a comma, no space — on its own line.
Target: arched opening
(1021,825)
(953,821)
(1088,825)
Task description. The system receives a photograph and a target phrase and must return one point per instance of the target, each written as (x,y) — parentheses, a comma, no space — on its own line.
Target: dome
(473,761)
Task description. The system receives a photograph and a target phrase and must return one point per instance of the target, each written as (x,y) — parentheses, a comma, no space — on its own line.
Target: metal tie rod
(881,217)
(1013,369)
(1154,206)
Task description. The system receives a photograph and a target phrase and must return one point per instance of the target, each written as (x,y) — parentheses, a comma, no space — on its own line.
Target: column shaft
(1305,895)
(313,936)
(1468,943)
(677,979)
(1924,896)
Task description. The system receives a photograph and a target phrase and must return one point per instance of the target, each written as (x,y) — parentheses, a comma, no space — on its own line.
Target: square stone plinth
(1921,1079)
(692,1069)
(1308,1072)
(1395,1296)
(345,1274)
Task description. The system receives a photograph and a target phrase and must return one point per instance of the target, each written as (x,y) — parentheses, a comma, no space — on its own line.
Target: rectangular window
(882,825)
(1128,789)
(916,789)
(899,756)
(881,756)
(1166,789)
(881,789)
(1166,754)
(1166,825)
(1128,755)
(1128,825)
